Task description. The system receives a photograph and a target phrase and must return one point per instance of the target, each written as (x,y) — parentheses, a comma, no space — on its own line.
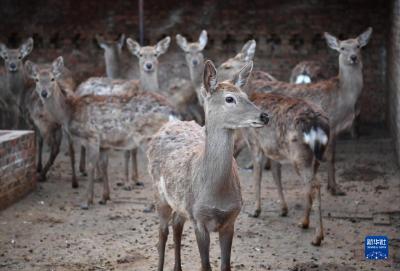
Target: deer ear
(182,42)
(240,79)
(3,50)
(364,37)
(133,46)
(248,50)
(57,67)
(26,48)
(162,45)
(209,77)
(332,41)
(203,39)
(31,69)
(121,41)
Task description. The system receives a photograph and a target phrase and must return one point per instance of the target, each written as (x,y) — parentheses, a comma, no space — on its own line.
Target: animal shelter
(198,135)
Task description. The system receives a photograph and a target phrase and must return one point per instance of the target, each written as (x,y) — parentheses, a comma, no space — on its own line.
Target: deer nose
(353,58)
(264,118)
(149,66)
(44,93)
(195,62)
(13,66)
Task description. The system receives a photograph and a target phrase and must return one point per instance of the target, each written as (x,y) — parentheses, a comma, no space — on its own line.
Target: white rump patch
(303,79)
(315,135)
(172,118)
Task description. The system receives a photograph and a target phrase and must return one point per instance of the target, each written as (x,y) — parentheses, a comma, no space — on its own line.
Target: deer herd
(191,130)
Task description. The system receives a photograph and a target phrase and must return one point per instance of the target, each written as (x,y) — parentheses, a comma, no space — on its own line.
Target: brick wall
(17,165)
(287,31)
(393,74)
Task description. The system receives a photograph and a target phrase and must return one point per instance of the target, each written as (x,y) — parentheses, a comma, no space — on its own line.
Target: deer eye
(342,48)
(20,57)
(229,100)
(5,57)
(140,55)
(358,46)
(36,80)
(52,79)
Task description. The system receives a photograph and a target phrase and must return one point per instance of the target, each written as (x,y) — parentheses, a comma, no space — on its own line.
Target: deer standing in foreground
(200,181)
(297,134)
(101,123)
(16,83)
(47,127)
(337,96)
(114,70)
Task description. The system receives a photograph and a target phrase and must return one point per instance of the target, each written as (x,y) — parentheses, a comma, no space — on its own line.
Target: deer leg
(39,166)
(225,241)
(93,158)
(55,142)
(177,226)
(164,213)
(71,153)
(135,172)
(333,187)
(82,161)
(127,156)
(203,243)
(103,170)
(319,231)
(277,176)
(257,158)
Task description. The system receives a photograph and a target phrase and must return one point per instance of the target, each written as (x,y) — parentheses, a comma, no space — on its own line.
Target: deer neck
(196,74)
(113,64)
(218,157)
(16,81)
(149,80)
(351,81)
(58,106)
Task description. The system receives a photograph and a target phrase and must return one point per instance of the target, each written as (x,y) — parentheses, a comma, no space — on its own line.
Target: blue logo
(376,248)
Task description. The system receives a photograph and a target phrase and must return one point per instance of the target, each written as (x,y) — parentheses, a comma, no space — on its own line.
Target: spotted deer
(101,123)
(337,96)
(297,134)
(114,70)
(47,127)
(16,83)
(200,181)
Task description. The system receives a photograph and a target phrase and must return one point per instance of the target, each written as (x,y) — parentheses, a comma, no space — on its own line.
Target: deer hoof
(256,213)
(317,240)
(336,191)
(40,177)
(284,211)
(138,183)
(304,224)
(75,184)
(149,209)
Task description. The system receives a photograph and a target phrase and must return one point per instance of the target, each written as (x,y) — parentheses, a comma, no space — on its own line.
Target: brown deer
(199,180)
(16,83)
(101,123)
(297,134)
(337,96)
(47,127)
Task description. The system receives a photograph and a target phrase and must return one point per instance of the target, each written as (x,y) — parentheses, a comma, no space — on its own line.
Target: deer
(194,59)
(114,70)
(101,123)
(16,82)
(47,127)
(181,95)
(199,180)
(297,134)
(336,96)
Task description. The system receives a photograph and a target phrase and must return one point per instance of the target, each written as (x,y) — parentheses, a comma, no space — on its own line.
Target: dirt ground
(48,231)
